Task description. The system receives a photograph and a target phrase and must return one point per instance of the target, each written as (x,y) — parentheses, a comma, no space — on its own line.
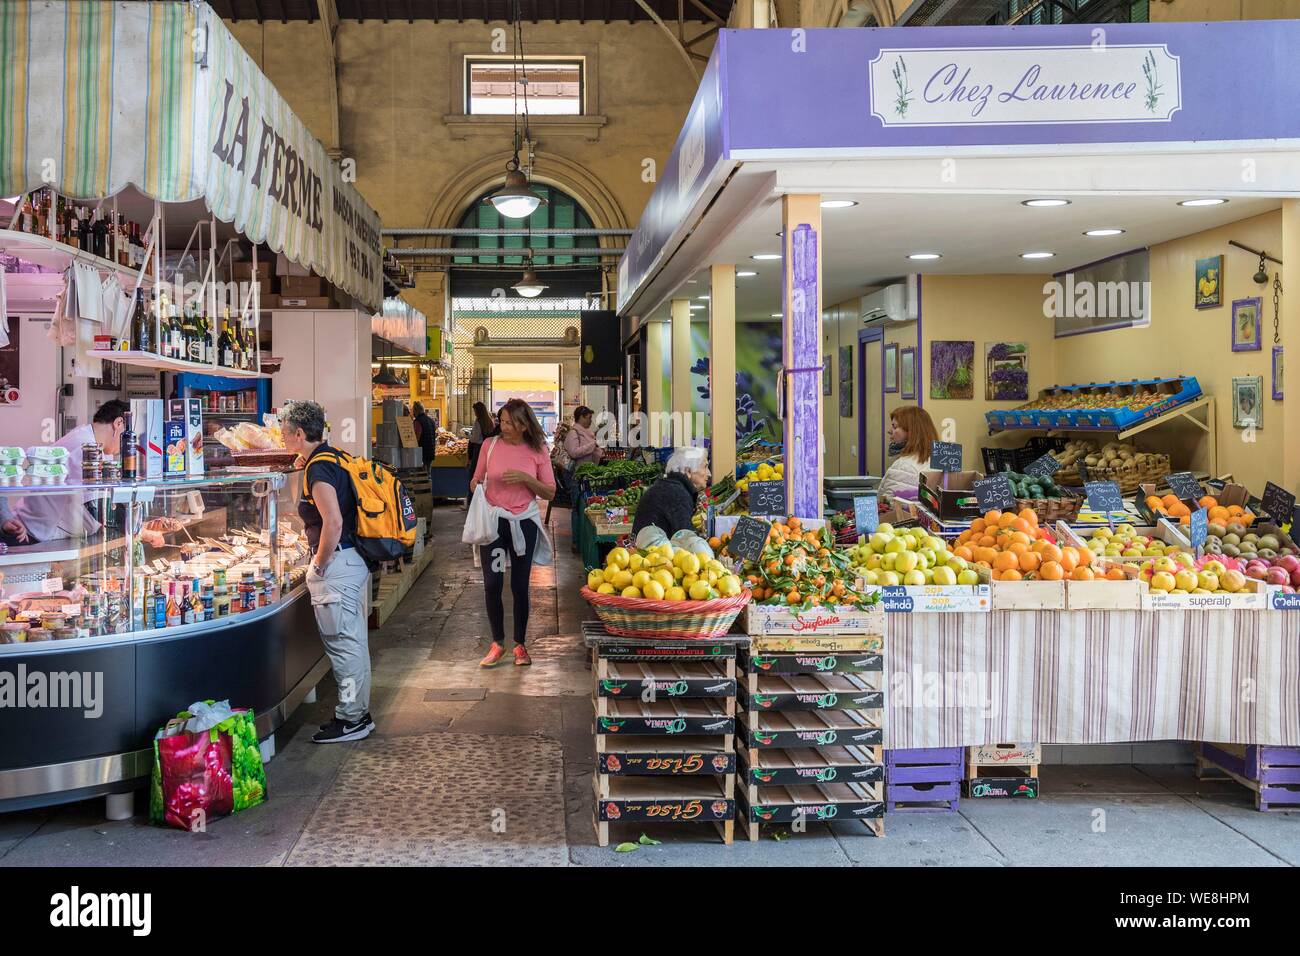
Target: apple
(969,576)
(1162,581)
(889,579)
(1185,581)
(1295,578)
(906,561)
(1215,566)
(914,578)
(880,540)
(1165,564)
(870,577)
(1277,576)
(945,576)
(1288,562)
(1208,580)
(1232,581)
(1256,571)
(896,546)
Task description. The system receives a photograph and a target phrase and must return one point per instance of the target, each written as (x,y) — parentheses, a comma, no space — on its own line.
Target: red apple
(1295,578)
(1277,576)
(1288,561)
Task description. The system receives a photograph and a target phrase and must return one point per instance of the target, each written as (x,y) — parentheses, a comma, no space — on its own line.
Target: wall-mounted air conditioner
(895,302)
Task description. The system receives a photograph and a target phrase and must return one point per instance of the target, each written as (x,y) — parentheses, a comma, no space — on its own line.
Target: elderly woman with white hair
(669,503)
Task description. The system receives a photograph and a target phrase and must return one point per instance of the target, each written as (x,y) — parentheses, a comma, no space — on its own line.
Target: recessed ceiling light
(705,297)
(924,255)
(695,307)
(763,256)
(1037,255)
(745,274)
(1045,202)
(1202,202)
(838,203)
(1104,232)
(777,315)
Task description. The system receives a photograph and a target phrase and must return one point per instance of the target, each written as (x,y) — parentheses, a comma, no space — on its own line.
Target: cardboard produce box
(302,286)
(954,501)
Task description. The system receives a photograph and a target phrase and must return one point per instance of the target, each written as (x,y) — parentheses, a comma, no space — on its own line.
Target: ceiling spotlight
(1202,202)
(705,297)
(838,203)
(529,285)
(765,256)
(1037,255)
(922,256)
(1104,232)
(745,275)
(696,308)
(515,199)
(777,315)
(1046,202)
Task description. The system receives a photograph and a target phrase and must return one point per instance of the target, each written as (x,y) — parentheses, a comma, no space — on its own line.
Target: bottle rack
(664,724)
(811,734)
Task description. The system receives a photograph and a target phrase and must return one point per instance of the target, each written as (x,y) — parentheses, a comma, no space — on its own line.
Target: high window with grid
(494,87)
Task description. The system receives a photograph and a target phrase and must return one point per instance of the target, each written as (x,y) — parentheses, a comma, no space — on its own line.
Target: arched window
(561,211)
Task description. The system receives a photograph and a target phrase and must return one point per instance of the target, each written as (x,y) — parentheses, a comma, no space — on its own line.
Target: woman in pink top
(517,469)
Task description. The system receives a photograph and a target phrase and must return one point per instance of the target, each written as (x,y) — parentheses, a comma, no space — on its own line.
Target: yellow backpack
(385,512)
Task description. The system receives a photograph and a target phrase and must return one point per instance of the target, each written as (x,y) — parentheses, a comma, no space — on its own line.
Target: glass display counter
(130,601)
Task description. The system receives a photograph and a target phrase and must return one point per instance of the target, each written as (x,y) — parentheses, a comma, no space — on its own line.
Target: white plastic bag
(479,526)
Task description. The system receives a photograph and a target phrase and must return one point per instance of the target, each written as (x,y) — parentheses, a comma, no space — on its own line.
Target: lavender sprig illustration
(904,98)
(1153,82)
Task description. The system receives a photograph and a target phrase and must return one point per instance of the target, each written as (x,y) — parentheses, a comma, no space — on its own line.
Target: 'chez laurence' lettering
(296,187)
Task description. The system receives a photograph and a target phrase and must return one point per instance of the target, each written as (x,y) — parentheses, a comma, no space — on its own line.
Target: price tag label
(1104,496)
(1044,467)
(72,610)
(239,540)
(748,538)
(1199,525)
(52,585)
(1277,503)
(767,498)
(994,492)
(122,494)
(945,456)
(866,514)
(1182,484)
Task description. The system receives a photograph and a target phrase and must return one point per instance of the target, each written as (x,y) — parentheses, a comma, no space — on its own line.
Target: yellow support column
(1290,327)
(722,369)
(681,371)
(802,353)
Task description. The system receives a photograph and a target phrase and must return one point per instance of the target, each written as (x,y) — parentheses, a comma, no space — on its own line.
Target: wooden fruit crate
(813,803)
(1273,773)
(923,780)
(663,800)
(1028,595)
(775,731)
(1003,770)
(783,692)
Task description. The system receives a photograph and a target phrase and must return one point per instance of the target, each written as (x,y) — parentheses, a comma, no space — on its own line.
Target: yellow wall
(986,309)
(1183,340)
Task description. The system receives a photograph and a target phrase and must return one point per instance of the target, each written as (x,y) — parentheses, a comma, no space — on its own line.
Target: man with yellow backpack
(354,512)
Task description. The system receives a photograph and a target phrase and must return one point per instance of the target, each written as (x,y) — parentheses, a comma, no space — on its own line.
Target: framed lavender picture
(907,373)
(952,369)
(1245,325)
(1006,372)
(1277,373)
(891,367)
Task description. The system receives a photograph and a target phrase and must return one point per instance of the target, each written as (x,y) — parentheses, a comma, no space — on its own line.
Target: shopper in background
(669,503)
(426,434)
(338,579)
(911,436)
(484,428)
(517,471)
(37,518)
(580,440)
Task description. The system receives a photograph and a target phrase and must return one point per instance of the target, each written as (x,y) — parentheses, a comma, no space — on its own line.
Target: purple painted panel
(925,791)
(803,375)
(823,100)
(927,774)
(926,755)
(1278,756)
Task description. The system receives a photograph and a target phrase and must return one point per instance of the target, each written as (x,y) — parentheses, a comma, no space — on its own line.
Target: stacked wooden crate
(924,779)
(1272,773)
(1003,770)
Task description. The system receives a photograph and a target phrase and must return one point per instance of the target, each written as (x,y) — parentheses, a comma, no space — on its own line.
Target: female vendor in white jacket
(911,436)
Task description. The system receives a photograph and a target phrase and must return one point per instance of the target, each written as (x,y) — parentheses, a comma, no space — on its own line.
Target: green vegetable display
(617,473)
(1033,486)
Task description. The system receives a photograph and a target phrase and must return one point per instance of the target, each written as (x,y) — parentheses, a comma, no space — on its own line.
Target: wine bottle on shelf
(141,325)
(74,228)
(56,218)
(209,343)
(226,346)
(173,606)
(83,224)
(130,459)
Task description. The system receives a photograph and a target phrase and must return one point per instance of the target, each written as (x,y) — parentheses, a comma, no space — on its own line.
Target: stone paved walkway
(473,766)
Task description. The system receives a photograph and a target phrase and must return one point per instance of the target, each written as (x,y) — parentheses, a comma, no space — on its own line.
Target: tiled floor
(473,766)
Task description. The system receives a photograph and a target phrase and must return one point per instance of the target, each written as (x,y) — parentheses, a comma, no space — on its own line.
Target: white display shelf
(150,360)
(49,254)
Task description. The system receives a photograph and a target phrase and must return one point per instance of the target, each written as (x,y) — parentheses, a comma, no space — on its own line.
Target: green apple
(889,579)
(870,577)
(914,578)
(945,576)
(968,576)
(896,545)
(887,561)
(880,540)
(906,561)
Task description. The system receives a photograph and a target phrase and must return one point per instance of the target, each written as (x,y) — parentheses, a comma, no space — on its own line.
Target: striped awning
(96,96)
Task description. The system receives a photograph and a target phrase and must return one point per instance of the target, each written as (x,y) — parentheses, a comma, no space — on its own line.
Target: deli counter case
(142,598)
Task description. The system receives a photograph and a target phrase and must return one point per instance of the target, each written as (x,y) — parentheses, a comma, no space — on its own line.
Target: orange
(1170,500)
(1115,574)
(1234,510)
(1179,510)
(1050,552)
(964,553)
(1006,561)
(986,555)
(1208,501)
(988,541)
(1021,525)
(1085,556)
(992,517)
(1219,514)
(1082,573)
(1029,561)
(1030,515)
(1069,559)
(1051,571)
(977,524)
(1011,574)
(1020,537)
(1007,520)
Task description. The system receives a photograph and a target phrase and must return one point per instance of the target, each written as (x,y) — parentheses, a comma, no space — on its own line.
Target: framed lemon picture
(1209,282)
(1245,325)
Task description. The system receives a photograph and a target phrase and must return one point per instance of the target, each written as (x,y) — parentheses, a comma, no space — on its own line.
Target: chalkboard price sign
(1184,485)
(1277,503)
(866,514)
(1044,467)
(767,498)
(945,456)
(994,492)
(1104,496)
(1199,526)
(748,539)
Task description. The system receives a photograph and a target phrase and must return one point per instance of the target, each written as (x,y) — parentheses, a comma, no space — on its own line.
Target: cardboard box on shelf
(147,417)
(302,286)
(953,498)
(299,302)
(189,411)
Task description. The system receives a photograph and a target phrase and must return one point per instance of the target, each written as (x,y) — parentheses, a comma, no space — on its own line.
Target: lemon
(654,561)
(635,562)
(595,579)
(715,566)
(640,578)
(729,586)
(631,592)
(622,579)
(690,563)
(619,557)
(664,577)
(605,589)
(710,576)
(653,590)
(678,574)
(700,591)
(675,594)
(688,580)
